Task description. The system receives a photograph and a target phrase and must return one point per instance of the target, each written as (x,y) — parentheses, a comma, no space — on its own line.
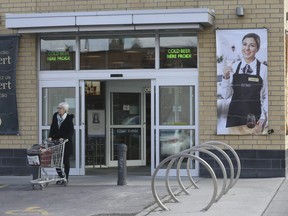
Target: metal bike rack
(204,163)
(203,149)
(189,154)
(209,146)
(234,154)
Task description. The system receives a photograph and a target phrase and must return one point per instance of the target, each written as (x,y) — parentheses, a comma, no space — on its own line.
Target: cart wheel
(41,186)
(65,183)
(33,186)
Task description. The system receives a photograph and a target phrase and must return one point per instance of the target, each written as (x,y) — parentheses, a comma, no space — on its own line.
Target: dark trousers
(66,163)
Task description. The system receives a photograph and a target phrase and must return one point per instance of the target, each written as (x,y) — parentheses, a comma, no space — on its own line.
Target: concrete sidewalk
(99,195)
(249,197)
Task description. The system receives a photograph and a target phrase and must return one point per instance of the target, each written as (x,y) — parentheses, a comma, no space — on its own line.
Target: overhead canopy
(194,18)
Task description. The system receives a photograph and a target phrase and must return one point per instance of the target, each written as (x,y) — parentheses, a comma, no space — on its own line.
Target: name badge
(253,79)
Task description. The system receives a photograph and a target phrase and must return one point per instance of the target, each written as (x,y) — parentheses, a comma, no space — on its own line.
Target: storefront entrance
(116,112)
(131,88)
(153,118)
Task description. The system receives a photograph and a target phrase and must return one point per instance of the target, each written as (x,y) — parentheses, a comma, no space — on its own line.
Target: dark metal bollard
(122,169)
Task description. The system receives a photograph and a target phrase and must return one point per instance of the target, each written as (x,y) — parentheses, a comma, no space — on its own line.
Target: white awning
(194,18)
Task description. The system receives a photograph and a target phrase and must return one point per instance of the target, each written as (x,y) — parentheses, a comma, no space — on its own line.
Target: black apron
(246,97)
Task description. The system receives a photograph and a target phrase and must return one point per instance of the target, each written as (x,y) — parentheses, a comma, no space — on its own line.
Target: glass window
(176,120)
(126,109)
(178,51)
(117,53)
(175,141)
(57,54)
(51,97)
(130,137)
(177,105)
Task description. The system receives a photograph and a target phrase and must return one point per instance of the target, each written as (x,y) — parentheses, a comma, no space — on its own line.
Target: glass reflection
(117,53)
(57,54)
(126,109)
(174,141)
(52,97)
(130,137)
(178,51)
(177,105)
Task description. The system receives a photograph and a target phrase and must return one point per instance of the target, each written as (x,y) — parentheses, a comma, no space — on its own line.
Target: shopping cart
(49,154)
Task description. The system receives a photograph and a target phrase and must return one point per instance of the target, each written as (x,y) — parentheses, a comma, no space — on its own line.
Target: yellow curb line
(2,186)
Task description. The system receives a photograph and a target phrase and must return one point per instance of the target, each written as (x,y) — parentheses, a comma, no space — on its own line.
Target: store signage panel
(179,53)
(8,104)
(58,56)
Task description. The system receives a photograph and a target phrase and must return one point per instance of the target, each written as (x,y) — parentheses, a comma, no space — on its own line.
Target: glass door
(175,127)
(50,95)
(126,123)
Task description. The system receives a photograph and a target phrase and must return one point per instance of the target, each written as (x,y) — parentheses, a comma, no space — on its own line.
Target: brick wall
(258,14)
(26,80)
(285,78)
(14,162)
(254,163)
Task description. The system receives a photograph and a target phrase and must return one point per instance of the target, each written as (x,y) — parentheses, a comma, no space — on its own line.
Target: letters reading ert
(6,60)
(6,85)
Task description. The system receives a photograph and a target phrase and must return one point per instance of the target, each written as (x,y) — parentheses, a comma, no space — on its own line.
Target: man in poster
(244,83)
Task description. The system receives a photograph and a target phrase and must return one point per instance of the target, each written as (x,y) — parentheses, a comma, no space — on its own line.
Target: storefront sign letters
(58,56)
(8,106)
(179,53)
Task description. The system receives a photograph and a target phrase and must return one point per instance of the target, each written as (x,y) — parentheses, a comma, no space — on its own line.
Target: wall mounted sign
(242,85)
(8,104)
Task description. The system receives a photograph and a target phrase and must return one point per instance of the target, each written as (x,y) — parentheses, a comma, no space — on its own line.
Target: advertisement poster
(96,122)
(8,105)
(242,85)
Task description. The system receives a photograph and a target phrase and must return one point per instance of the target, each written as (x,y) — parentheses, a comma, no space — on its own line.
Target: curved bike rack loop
(189,154)
(202,149)
(235,155)
(204,163)
(209,146)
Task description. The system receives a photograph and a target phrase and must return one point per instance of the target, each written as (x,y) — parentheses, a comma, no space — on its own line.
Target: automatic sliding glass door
(51,94)
(126,122)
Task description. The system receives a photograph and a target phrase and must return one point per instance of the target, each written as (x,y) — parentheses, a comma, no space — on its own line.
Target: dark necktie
(247,69)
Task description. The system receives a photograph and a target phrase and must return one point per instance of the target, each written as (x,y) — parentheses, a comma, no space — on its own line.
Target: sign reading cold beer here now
(179,53)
